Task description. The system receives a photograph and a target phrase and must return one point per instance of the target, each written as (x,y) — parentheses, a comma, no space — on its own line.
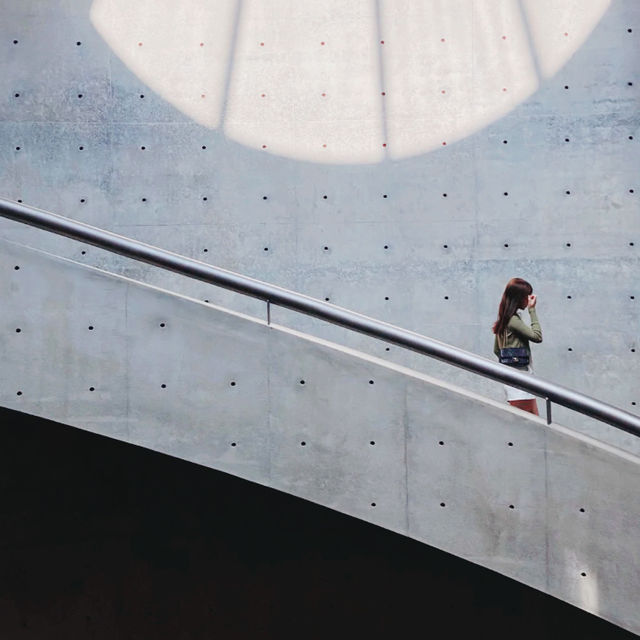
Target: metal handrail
(274,295)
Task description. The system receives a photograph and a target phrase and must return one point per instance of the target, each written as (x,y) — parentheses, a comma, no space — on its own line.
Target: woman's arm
(532,333)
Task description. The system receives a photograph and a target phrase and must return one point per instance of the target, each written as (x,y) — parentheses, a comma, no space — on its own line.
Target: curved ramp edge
(543,505)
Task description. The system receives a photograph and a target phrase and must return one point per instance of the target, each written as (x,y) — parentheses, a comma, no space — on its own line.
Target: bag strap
(504,340)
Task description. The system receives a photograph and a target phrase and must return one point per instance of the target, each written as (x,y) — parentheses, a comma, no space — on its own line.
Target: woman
(511,332)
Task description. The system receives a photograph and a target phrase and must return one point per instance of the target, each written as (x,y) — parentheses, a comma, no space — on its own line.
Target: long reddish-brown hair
(514,296)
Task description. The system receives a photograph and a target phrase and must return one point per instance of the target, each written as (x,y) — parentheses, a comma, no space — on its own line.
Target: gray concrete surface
(571,218)
(544,505)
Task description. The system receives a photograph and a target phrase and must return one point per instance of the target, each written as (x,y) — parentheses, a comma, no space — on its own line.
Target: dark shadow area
(100,539)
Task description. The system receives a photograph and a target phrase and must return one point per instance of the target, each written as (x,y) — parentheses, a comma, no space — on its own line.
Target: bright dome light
(331,81)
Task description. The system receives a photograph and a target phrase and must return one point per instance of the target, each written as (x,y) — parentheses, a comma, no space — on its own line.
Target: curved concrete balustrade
(546,506)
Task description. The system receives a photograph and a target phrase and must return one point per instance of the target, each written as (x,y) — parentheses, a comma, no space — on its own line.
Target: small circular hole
(144,199)
(566,86)
(371,382)
(17,148)
(142,96)
(162,324)
(303,444)
(506,245)
(204,198)
(441,443)
(569,349)
(631,191)
(15,42)
(633,402)
(446,297)
(373,504)
(566,139)
(16,95)
(324,197)
(372,443)
(207,301)
(264,197)
(205,250)
(17,268)
(506,193)
(326,299)
(632,297)
(568,244)
(631,244)
(164,386)
(82,200)
(511,506)
(568,193)
(386,246)
(302,382)
(510,444)
(630,84)
(581,510)
(19,393)
(505,142)
(444,195)
(385,196)
(233,444)
(386,297)
(633,350)
(80,95)
(630,137)
(143,148)
(233,383)
(445,246)
(92,388)
(90,327)
(204,146)
(568,297)
(583,574)
(81,148)
(84,253)
(387,349)
(326,248)
(78,44)
(266,248)
(442,504)
(18,330)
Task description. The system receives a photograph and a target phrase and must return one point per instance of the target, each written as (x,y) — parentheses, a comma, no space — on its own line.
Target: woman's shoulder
(515,319)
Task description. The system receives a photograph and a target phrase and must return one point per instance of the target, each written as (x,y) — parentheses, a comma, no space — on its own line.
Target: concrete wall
(200,127)
(546,506)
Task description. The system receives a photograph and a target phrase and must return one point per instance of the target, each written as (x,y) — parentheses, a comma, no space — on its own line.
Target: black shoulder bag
(514,356)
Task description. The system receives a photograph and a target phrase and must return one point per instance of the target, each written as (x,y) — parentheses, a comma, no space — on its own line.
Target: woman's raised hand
(532,301)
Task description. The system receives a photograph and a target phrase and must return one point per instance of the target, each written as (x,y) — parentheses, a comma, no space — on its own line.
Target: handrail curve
(275,295)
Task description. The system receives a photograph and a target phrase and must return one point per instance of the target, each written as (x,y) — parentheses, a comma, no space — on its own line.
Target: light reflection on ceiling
(337,82)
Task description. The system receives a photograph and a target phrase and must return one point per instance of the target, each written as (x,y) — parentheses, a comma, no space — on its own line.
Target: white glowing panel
(345,82)
(182,50)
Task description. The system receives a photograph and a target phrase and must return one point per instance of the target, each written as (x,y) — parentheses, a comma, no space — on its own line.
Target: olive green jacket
(519,334)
